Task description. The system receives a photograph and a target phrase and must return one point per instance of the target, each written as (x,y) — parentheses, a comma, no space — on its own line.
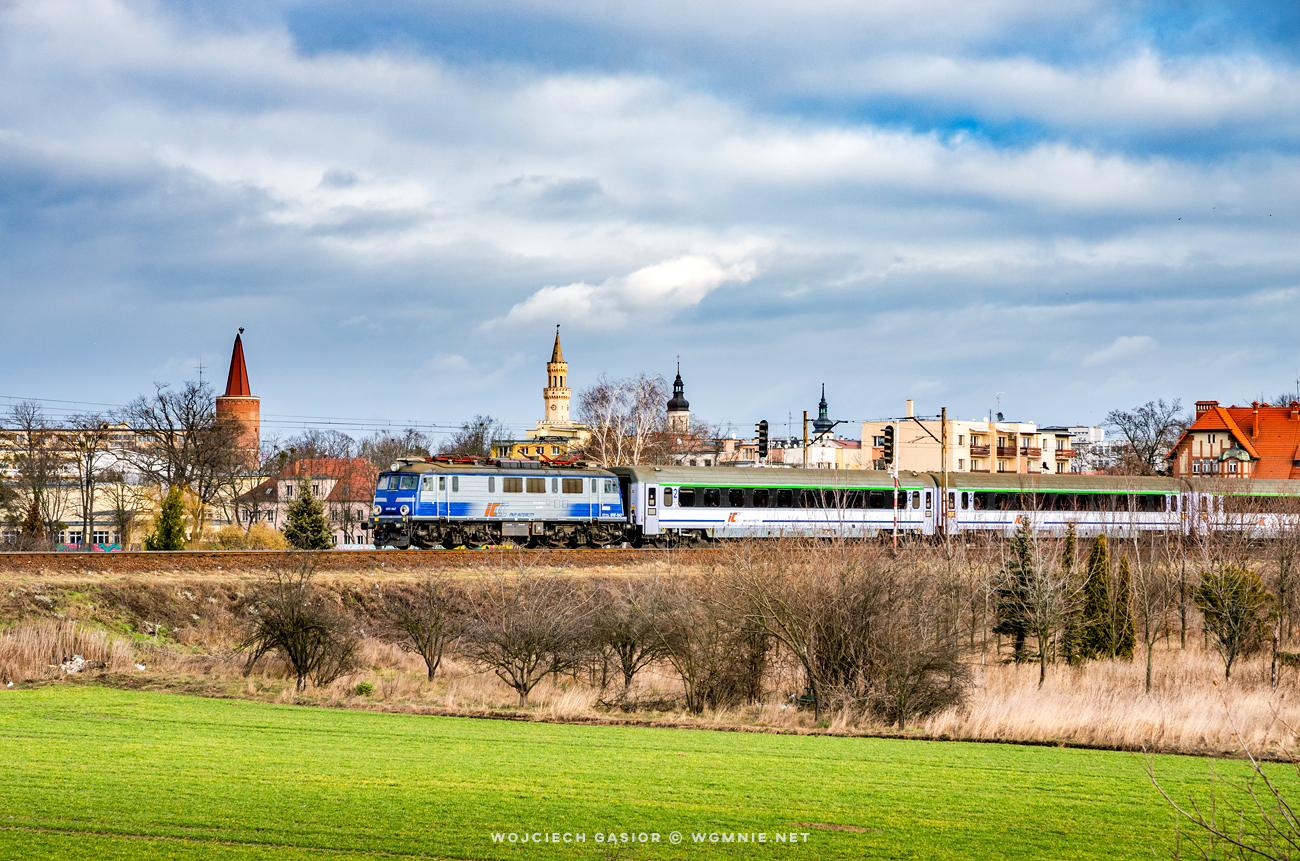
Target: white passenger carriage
(1093,504)
(682,505)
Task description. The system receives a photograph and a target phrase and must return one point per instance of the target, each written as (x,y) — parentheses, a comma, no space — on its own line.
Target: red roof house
(1258,441)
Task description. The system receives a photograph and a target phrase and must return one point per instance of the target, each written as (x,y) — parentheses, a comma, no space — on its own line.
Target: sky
(1058,209)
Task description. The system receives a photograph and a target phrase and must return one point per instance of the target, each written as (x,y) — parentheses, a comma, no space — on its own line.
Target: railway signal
(762,439)
(887,450)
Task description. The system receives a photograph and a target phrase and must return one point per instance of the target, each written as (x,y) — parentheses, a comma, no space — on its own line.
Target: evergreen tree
(307,528)
(169,526)
(1070,623)
(1013,594)
(1124,633)
(33,526)
(1095,638)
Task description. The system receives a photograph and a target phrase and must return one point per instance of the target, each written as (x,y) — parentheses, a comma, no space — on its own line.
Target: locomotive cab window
(409,482)
(611,485)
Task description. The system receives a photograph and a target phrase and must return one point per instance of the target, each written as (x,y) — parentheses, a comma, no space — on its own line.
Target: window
(571,485)
(409,482)
(961,439)
(668,497)
(961,464)
(315,490)
(650,496)
(736,497)
(492,484)
(555,485)
(383,483)
(555,449)
(712,497)
(288,490)
(512,484)
(100,536)
(952,501)
(611,485)
(928,503)
(876,499)
(784,498)
(965,500)
(442,482)
(536,485)
(761,497)
(916,500)
(686,497)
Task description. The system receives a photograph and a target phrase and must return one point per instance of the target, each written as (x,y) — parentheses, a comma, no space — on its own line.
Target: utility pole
(805,439)
(943,470)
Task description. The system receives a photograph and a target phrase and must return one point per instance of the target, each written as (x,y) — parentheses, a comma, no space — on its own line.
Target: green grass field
(89,772)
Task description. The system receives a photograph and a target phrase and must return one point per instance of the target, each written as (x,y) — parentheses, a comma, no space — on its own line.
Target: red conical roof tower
(239,405)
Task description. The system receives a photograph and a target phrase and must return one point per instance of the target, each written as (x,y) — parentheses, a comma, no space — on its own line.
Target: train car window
(611,485)
(1087,502)
(571,485)
(1173,503)
(736,498)
(831,499)
(409,482)
(712,497)
(784,498)
(916,500)
(668,497)
(928,503)
(650,496)
(854,499)
(535,485)
(965,500)
(760,498)
(1000,501)
(492,484)
(980,500)
(877,498)
(455,484)
(686,497)
(442,482)
(809,499)
(512,484)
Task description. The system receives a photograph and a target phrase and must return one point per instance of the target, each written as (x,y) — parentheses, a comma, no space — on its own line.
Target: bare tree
(1150,431)
(1038,590)
(1155,591)
(314,443)
(382,448)
(291,616)
(88,440)
(625,625)
(473,438)
(1237,610)
(40,459)
(627,420)
(526,627)
(182,443)
(426,617)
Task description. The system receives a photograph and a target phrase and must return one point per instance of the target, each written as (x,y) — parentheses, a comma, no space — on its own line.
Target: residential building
(346,486)
(1258,441)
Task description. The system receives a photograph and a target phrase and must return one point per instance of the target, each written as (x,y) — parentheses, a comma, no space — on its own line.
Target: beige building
(972,446)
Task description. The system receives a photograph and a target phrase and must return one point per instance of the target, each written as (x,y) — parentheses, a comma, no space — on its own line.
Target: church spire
(237,380)
(555,397)
(556,355)
(679,409)
(823,423)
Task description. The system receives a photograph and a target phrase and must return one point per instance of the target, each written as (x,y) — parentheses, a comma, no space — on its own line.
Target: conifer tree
(169,526)
(1070,633)
(1095,638)
(33,526)
(306,527)
(1013,594)
(1124,633)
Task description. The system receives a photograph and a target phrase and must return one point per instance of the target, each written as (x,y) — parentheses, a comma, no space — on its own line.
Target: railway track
(22,562)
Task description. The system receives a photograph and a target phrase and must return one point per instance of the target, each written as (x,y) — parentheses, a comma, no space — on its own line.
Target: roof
(557,357)
(237,381)
(1270,435)
(354,478)
(730,476)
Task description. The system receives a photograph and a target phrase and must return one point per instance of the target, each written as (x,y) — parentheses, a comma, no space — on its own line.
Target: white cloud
(1124,348)
(652,292)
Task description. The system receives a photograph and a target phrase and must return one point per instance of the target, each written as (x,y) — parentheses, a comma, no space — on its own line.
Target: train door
(651,504)
(927,525)
(428,496)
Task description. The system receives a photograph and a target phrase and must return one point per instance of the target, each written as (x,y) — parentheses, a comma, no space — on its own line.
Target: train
(478,502)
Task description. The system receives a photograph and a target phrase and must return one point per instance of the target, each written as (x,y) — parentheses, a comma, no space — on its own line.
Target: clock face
(552,406)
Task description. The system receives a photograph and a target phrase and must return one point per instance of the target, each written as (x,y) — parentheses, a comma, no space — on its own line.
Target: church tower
(556,394)
(679,409)
(822,424)
(239,405)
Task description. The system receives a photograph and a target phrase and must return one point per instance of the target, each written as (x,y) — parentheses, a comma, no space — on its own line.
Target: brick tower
(239,405)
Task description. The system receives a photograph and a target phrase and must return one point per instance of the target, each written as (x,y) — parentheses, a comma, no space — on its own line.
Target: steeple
(555,396)
(679,409)
(237,381)
(822,424)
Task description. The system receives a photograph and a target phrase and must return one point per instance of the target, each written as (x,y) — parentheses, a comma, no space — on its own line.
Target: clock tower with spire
(555,396)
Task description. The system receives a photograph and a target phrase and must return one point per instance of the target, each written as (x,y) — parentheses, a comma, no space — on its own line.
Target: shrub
(169,526)
(365,689)
(258,537)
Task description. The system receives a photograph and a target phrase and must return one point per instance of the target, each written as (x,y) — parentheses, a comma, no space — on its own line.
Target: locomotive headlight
(405,509)
(378,509)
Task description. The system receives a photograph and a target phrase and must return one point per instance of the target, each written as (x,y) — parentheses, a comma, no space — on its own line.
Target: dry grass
(1190,707)
(37,650)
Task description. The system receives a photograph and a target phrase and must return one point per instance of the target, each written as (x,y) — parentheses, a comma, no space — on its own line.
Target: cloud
(1123,349)
(652,292)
